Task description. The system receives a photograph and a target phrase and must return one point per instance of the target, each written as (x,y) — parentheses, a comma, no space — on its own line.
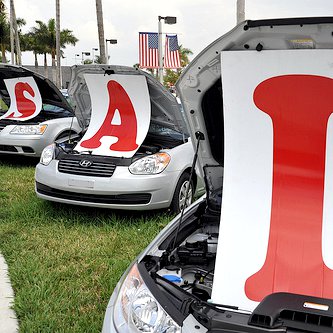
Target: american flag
(148,50)
(171,57)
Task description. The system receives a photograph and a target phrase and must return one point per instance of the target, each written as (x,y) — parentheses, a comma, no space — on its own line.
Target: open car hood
(201,90)
(164,107)
(50,94)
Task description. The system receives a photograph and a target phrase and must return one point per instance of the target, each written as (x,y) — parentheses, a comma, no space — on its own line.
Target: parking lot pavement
(8,321)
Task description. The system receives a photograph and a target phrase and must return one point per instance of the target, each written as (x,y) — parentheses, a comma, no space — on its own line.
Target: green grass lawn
(64,261)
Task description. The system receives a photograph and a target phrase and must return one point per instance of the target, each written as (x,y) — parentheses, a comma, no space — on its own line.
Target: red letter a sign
(127,129)
(120,115)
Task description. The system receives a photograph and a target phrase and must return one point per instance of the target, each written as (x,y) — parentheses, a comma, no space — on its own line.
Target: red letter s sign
(25,99)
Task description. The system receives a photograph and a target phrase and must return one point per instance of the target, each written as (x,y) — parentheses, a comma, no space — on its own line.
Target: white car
(21,131)
(256,257)
(153,175)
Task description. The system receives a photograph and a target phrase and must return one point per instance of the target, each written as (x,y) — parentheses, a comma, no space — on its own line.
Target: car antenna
(199,136)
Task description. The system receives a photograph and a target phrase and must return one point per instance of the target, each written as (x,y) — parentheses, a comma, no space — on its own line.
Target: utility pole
(58,69)
(100,27)
(240,11)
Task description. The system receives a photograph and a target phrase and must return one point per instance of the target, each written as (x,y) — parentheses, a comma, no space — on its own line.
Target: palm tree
(184,54)
(172,75)
(45,38)
(100,27)
(5,34)
(39,42)
(16,37)
(30,42)
(58,53)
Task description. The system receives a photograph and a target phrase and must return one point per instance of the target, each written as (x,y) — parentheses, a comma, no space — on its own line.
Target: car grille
(8,148)
(120,199)
(96,169)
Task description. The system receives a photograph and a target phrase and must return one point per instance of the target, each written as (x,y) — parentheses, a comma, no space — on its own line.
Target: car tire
(178,199)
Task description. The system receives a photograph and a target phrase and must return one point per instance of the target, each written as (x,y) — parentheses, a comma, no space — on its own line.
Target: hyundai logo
(85,163)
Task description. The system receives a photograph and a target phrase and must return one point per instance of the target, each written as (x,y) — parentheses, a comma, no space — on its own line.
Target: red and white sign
(276,232)
(25,99)
(120,116)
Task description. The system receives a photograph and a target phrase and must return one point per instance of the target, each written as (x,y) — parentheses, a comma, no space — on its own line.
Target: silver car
(156,176)
(53,120)
(257,256)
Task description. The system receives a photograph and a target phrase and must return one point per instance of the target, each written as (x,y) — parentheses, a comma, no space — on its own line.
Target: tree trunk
(3,54)
(58,80)
(11,33)
(36,60)
(54,74)
(46,72)
(100,27)
(17,39)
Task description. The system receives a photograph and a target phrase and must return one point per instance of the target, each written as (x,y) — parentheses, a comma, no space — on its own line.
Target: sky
(199,22)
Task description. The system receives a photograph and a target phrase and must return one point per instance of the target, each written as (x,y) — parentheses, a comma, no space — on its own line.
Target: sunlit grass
(64,261)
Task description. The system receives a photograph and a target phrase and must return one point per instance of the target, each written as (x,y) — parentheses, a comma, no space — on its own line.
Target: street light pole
(75,57)
(160,50)
(84,54)
(112,41)
(167,20)
(93,54)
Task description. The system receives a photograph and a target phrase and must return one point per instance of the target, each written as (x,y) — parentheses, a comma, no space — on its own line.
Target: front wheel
(179,200)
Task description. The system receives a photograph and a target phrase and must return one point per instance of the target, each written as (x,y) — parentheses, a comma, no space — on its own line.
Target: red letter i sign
(277,174)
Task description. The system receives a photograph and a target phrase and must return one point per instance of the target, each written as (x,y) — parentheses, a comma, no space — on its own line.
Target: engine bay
(190,264)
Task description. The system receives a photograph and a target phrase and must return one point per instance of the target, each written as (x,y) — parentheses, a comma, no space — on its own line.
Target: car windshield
(160,130)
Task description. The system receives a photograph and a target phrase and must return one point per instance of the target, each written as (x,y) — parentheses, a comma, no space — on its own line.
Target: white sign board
(25,99)
(120,116)
(276,231)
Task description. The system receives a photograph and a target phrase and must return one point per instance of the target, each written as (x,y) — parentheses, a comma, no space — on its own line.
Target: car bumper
(33,145)
(122,190)
(28,145)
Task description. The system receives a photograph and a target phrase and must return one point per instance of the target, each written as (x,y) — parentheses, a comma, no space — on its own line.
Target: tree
(100,27)
(44,35)
(30,42)
(5,31)
(16,37)
(172,75)
(58,52)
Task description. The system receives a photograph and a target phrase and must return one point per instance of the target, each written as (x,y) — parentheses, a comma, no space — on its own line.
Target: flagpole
(160,50)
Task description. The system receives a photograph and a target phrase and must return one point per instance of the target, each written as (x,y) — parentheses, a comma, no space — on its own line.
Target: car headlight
(150,165)
(47,154)
(29,129)
(136,309)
